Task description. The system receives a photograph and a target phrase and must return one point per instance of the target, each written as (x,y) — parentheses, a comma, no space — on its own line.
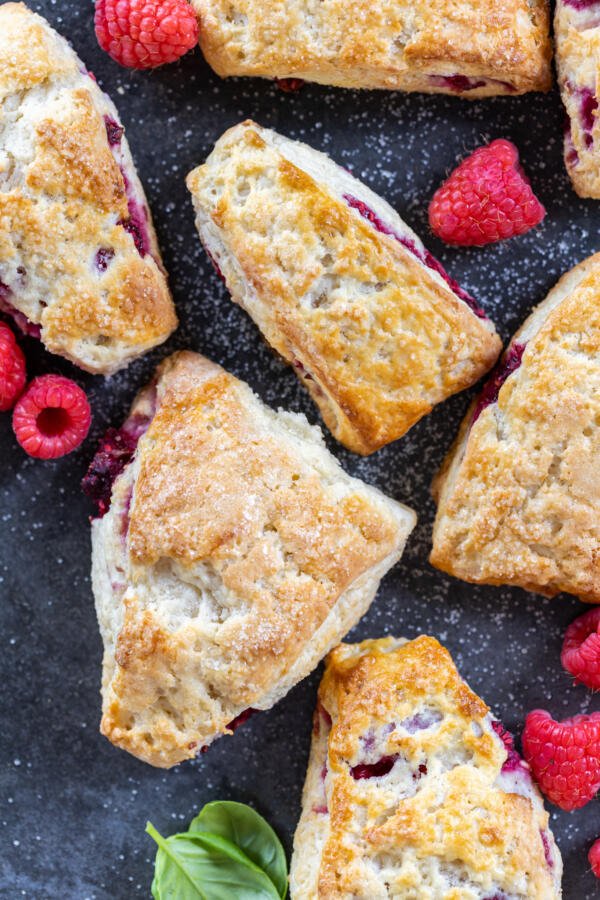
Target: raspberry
(580,653)
(52,417)
(594,858)
(142,34)
(12,369)
(487,198)
(564,756)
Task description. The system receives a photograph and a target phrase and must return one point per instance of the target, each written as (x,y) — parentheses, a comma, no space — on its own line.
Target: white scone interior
(531,518)
(413,790)
(80,266)
(235,553)
(339,285)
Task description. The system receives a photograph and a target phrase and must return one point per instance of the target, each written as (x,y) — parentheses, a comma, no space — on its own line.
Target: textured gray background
(72,808)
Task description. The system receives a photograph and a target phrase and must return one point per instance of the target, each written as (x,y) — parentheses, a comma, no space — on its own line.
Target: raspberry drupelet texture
(487,198)
(594,858)
(564,756)
(143,34)
(581,649)
(52,417)
(12,369)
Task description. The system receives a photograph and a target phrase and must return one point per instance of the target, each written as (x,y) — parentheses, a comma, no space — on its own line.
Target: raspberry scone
(339,285)
(79,262)
(577,35)
(414,790)
(519,493)
(475,49)
(232,555)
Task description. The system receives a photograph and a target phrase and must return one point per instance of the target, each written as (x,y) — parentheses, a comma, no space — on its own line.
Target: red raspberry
(142,34)
(12,369)
(581,649)
(52,417)
(594,858)
(564,756)
(487,198)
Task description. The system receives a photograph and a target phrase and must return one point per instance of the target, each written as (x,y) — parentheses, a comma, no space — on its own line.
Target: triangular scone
(474,49)
(413,790)
(338,284)
(519,493)
(577,35)
(234,555)
(79,262)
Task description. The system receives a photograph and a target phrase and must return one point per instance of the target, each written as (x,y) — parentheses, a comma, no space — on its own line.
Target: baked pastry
(577,36)
(414,790)
(79,262)
(474,49)
(519,493)
(338,285)
(235,553)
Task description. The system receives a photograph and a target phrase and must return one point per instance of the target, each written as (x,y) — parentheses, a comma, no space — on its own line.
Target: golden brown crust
(376,336)
(577,33)
(66,193)
(446,820)
(519,495)
(499,48)
(244,545)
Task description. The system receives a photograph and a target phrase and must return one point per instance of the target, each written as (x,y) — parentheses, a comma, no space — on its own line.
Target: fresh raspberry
(487,198)
(581,649)
(594,858)
(564,756)
(52,417)
(12,369)
(142,34)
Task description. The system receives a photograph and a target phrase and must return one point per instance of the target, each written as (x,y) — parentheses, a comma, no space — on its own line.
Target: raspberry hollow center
(53,421)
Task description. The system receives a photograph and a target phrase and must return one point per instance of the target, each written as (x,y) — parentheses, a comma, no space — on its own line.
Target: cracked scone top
(339,285)
(413,790)
(519,493)
(235,553)
(79,262)
(473,49)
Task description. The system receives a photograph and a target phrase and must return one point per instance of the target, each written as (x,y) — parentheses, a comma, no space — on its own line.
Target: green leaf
(244,827)
(205,867)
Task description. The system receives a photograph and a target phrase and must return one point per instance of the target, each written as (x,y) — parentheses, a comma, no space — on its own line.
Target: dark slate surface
(72,808)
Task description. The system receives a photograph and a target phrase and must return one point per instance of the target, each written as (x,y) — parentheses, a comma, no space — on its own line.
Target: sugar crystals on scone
(519,492)
(233,553)
(80,266)
(474,49)
(414,790)
(339,285)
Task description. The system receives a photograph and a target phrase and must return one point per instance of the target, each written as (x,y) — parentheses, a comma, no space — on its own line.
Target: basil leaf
(245,828)
(205,867)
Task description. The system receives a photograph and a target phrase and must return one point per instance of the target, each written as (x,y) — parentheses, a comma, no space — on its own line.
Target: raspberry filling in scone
(229,554)
(339,285)
(116,451)
(462,84)
(509,363)
(409,777)
(577,31)
(417,249)
(137,222)
(80,266)
(30,329)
